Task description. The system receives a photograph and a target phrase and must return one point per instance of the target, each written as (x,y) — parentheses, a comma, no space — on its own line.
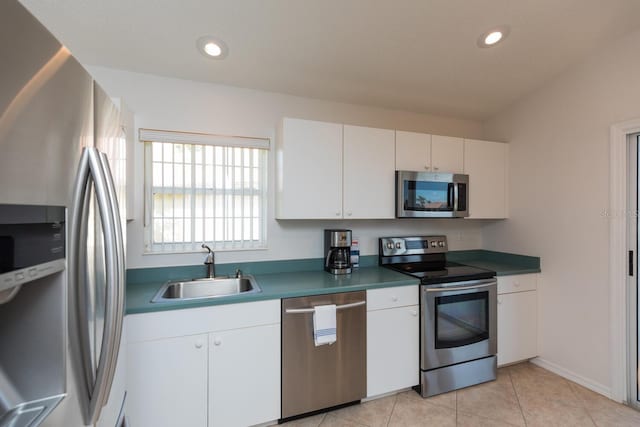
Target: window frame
(149,137)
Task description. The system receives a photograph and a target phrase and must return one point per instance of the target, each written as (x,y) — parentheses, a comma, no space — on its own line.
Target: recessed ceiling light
(493,36)
(212,47)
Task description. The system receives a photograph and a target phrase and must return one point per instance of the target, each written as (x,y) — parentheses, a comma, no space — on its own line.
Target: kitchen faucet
(210,262)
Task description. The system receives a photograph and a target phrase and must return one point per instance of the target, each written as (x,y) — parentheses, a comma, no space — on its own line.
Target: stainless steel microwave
(431,195)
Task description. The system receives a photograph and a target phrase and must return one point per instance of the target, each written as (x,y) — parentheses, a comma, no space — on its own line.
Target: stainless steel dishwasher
(316,378)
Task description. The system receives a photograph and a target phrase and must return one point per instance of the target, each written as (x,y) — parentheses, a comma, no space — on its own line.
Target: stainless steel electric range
(458,337)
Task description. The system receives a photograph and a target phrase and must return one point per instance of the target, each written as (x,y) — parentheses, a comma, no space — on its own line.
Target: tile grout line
(513,387)
(579,400)
(456,394)
(393,408)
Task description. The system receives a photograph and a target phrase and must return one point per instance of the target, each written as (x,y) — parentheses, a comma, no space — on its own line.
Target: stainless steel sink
(218,287)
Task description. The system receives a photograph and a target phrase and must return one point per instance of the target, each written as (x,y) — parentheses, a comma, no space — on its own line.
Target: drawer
(191,321)
(517,283)
(392,297)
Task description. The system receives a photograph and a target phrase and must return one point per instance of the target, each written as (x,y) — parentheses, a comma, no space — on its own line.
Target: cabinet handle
(199,344)
(435,168)
(349,213)
(413,313)
(394,298)
(337,213)
(217,341)
(427,168)
(516,284)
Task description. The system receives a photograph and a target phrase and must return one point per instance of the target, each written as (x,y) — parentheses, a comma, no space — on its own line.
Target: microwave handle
(456,188)
(450,196)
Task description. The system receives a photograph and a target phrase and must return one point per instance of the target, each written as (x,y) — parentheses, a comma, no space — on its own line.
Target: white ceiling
(416,55)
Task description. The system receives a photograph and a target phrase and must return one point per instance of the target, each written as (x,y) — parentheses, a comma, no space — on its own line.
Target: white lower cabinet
(392,339)
(245,376)
(205,367)
(517,318)
(166,385)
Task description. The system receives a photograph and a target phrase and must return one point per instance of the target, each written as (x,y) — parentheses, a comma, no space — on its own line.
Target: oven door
(458,322)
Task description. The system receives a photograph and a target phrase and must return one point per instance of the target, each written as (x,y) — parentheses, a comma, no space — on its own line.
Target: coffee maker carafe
(337,249)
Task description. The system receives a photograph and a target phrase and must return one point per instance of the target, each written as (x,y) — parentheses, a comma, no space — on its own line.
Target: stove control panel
(394,246)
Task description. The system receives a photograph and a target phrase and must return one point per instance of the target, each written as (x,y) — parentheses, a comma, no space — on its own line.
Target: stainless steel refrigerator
(62,150)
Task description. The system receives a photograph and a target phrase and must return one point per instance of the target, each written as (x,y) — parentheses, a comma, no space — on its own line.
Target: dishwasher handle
(311,310)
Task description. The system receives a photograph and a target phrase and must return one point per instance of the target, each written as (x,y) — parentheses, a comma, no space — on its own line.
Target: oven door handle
(462,288)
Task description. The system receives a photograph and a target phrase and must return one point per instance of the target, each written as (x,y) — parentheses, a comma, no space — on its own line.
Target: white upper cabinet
(331,171)
(447,154)
(309,167)
(486,164)
(413,151)
(335,171)
(369,166)
(429,153)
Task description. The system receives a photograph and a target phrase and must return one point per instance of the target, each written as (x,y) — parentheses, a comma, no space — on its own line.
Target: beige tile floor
(523,395)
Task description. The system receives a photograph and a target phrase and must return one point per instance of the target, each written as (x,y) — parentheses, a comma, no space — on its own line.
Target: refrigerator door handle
(98,384)
(119,279)
(77,267)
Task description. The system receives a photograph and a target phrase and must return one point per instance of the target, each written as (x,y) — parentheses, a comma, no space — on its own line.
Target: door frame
(618,223)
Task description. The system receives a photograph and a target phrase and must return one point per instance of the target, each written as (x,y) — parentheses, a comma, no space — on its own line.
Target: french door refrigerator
(62,146)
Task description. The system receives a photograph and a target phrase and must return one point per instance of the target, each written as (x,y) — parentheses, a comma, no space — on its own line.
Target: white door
(447,154)
(517,326)
(393,349)
(413,151)
(369,173)
(486,164)
(167,382)
(244,371)
(309,169)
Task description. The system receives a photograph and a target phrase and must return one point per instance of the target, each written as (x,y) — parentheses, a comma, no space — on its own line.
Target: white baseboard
(572,376)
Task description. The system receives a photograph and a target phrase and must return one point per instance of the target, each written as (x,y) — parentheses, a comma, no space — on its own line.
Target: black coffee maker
(337,249)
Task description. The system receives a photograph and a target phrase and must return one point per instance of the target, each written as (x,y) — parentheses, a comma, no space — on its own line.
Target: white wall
(559,177)
(172,104)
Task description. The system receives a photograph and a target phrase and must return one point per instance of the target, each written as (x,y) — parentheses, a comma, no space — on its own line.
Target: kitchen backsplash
(298,239)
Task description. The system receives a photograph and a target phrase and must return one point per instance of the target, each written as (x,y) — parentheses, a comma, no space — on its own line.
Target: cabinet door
(167,382)
(244,376)
(517,327)
(309,168)
(413,151)
(447,154)
(392,349)
(486,164)
(369,173)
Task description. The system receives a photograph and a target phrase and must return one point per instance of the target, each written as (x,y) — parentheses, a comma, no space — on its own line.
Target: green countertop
(275,286)
(503,263)
(293,278)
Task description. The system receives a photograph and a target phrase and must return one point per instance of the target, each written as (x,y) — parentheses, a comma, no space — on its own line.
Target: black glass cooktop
(433,273)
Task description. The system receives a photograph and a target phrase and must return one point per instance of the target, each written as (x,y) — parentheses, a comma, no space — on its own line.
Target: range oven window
(461,319)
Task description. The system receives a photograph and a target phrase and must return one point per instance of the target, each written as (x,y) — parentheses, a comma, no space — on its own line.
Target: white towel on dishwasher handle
(324,324)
